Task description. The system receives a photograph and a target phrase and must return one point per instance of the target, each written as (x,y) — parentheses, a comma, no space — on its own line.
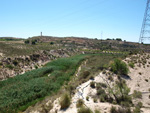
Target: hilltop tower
(41,33)
(145,30)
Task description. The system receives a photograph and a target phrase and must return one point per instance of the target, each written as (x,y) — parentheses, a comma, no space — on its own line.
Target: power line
(59,19)
(88,18)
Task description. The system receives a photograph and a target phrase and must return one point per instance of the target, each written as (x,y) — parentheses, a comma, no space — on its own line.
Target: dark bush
(15,62)
(85,74)
(92,84)
(87,98)
(33,42)
(26,41)
(113,110)
(118,39)
(110,78)
(51,43)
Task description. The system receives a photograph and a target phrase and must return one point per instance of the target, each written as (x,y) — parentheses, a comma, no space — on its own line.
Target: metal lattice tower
(145,30)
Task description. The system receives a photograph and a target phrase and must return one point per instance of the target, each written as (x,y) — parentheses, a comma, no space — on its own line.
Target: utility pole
(101,35)
(145,30)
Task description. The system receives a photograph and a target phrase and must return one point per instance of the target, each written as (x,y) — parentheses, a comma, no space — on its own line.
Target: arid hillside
(96,75)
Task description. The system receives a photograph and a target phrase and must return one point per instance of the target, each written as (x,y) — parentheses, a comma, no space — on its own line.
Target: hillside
(35,73)
(19,55)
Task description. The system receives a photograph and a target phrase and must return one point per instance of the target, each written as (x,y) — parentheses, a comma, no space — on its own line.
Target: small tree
(118,39)
(119,67)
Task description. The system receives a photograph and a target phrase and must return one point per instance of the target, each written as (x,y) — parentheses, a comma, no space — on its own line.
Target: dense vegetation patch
(19,92)
(26,89)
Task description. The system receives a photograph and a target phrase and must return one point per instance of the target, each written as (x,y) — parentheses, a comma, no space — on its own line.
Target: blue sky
(84,18)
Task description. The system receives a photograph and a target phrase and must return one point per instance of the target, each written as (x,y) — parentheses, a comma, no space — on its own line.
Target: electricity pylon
(145,30)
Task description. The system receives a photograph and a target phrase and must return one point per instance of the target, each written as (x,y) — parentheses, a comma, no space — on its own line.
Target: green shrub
(79,103)
(140,104)
(102,95)
(137,110)
(113,110)
(131,64)
(9,66)
(137,94)
(65,101)
(87,98)
(95,100)
(84,110)
(120,110)
(97,111)
(119,67)
(100,91)
(103,85)
(104,98)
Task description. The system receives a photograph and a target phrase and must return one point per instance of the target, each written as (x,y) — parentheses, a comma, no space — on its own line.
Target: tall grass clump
(65,101)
